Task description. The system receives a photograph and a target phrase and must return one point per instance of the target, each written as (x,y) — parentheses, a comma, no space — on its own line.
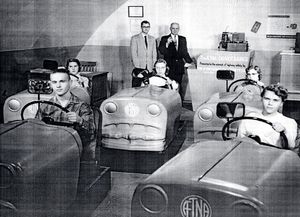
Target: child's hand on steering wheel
(278,127)
(74,118)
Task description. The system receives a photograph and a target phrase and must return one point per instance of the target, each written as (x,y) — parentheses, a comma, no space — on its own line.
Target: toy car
(140,119)
(39,89)
(207,125)
(237,177)
(41,171)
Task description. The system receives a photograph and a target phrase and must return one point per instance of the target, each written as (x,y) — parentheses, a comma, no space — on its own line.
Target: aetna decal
(195,206)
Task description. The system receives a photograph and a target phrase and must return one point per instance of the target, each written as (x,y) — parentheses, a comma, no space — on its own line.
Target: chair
(90,154)
(99,83)
(88,66)
(50,64)
(97,122)
(297,142)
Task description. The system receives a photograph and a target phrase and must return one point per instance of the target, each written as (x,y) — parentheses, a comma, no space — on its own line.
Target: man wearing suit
(143,52)
(174,49)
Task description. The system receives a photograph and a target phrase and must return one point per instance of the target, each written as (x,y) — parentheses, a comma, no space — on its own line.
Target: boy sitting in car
(80,113)
(272,98)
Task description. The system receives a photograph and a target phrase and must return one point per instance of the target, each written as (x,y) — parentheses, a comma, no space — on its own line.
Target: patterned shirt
(86,129)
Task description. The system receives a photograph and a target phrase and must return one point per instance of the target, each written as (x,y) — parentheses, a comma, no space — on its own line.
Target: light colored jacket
(142,56)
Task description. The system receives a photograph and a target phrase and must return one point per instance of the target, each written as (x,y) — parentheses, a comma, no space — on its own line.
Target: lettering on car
(195,206)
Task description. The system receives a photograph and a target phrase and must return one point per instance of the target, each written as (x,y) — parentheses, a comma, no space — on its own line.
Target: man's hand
(74,118)
(140,75)
(278,127)
(170,40)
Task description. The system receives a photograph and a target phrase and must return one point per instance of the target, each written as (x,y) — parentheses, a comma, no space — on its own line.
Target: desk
(203,82)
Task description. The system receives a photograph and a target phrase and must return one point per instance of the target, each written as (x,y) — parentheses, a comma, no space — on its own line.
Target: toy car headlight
(154,109)
(153,199)
(246,208)
(14,105)
(110,107)
(205,114)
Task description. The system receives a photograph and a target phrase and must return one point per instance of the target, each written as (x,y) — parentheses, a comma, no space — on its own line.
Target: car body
(207,125)
(212,178)
(41,171)
(13,105)
(140,119)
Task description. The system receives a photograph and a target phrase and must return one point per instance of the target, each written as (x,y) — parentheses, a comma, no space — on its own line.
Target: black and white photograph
(150,108)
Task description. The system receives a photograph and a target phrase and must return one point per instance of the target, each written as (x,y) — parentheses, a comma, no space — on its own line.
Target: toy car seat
(90,153)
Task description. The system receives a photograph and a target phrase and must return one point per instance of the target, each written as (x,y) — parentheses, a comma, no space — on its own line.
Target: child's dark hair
(278,90)
(145,22)
(256,68)
(73,60)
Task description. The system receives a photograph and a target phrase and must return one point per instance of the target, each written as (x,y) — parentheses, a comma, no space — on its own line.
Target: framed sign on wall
(135,11)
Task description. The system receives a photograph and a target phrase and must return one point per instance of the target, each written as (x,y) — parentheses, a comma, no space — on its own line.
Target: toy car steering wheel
(284,141)
(241,80)
(48,120)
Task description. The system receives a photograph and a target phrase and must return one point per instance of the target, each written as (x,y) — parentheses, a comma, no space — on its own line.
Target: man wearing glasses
(143,53)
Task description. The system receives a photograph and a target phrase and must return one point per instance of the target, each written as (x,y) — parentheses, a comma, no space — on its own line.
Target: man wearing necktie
(174,49)
(143,52)
(146,43)
(175,42)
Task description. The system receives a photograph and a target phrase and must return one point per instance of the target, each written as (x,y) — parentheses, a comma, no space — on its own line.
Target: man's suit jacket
(142,56)
(175,58)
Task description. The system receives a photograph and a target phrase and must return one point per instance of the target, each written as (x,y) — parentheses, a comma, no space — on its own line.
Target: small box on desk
(237,47)
(238,37)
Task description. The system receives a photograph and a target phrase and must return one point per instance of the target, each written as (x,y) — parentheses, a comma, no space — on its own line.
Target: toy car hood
(37,161)
(150,91)
(247,98)
(223,176)
(210,160)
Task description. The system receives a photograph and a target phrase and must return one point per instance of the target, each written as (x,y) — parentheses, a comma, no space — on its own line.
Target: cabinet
(290,79)
(290,71)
